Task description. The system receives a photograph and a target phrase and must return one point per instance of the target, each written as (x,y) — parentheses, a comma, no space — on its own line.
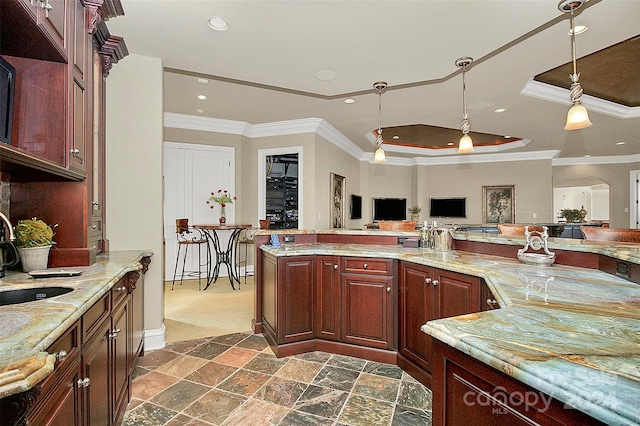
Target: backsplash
(5,193)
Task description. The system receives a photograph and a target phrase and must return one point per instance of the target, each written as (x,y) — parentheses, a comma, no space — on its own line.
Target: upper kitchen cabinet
(62,52)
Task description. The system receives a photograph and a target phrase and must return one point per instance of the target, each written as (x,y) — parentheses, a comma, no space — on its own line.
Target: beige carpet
(219,310)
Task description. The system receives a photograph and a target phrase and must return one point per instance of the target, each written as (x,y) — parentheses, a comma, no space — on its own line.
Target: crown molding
(488,158)
(559,95)
(613,159)
(206,124)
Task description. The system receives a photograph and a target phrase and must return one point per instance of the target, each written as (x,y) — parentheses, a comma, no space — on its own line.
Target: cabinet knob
(83,383)
(95,204)
(435,282)
(60,355)
(114,333)
(388,289)
(492,302)
(46,6)
(365,266)
(335,266)
(75,152)
(427,280)
(123,288)
(94,226)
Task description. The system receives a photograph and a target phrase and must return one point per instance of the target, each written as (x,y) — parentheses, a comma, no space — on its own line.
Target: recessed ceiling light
(507,136)
(326,75)
(587,156)
(200,111)
(217,23)
(202,97)
(349,101)
(499,110)
(450,144)
(620,143)
(578,29)
(396,137)
(203,81)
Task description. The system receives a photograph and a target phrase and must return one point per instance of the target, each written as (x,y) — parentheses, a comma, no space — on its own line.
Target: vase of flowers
(34,239)
(222,197)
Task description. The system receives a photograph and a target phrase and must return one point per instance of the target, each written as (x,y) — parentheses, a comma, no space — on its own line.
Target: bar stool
(187,237)
(247,238)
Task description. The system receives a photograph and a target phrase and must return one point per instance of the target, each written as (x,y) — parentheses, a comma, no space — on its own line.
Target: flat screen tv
(356,207)
(447,207)
(389,209)
(7,86)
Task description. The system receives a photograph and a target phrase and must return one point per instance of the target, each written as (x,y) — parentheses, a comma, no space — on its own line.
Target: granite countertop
(573,333)
(28,329)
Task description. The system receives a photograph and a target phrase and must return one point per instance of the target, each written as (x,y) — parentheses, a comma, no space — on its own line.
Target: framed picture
(336,202)
(499,204)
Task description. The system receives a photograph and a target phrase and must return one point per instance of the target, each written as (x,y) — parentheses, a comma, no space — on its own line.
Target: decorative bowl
(537,259)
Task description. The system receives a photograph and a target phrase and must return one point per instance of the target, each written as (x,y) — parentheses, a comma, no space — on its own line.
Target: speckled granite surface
(570,332)
(27,329)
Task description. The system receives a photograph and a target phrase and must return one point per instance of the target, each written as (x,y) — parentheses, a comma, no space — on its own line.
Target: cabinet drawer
(92,319)
(367,265)
(119,292)
(66,348)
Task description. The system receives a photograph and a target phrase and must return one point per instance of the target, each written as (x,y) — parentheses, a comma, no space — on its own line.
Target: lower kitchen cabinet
(95,358)
(427,294)
(469,392)
(327,298)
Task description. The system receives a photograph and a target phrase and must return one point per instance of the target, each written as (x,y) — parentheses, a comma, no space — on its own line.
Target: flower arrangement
(221,197)
(33,233)
(571,215)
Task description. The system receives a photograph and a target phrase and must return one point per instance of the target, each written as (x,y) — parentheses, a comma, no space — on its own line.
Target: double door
(427,294)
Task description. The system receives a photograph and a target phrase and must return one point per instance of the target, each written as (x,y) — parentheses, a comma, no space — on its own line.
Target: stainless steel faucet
(9,227)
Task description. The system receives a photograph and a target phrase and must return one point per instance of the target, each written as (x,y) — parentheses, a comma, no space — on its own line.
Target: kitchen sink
(12,297)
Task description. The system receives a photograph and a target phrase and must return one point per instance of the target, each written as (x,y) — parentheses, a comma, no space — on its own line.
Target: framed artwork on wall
(499,204)
(336,203)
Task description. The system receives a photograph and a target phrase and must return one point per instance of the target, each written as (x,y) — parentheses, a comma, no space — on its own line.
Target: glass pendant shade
(465,145)
(577,118)
(379,156)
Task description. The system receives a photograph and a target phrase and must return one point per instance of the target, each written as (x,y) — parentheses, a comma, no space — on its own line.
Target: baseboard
(154,339)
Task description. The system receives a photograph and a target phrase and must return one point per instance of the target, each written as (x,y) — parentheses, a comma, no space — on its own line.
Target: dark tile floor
(236,380)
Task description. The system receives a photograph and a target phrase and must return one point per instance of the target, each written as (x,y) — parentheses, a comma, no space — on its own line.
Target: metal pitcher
(442,238)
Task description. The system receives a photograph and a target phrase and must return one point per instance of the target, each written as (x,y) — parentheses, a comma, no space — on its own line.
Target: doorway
(280,183)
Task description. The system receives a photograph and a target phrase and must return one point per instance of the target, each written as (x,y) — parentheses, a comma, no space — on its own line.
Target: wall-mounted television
(355,211)
(389,209)
(447,207)
(7,86)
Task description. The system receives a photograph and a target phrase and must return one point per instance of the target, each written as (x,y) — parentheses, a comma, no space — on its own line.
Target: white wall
(134,175)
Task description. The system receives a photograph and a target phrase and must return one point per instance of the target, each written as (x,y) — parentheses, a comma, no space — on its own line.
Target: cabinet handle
(365,266)
(114,333)
(75,152)
(435,282)
(388,289)
(61,355)
(83,383)
(123,288)
(427,280)
(95,204)
(46,6)
(335,266)
(492,302)
(94,226)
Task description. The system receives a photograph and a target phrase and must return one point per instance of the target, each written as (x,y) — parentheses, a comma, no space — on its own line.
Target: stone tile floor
(236,380)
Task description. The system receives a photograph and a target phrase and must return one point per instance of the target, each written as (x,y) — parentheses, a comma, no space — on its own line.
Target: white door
(191,173)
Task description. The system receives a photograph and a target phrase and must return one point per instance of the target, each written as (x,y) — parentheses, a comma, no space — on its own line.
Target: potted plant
(34,239)
(415,213)
(571,215)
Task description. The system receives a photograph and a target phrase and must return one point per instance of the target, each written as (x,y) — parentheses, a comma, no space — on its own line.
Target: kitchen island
(99,320)
(572,333)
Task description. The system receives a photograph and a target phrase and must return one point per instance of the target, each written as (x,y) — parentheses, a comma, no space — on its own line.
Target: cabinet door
(137,320)
(416,308)
(119,340)
(367,310)
(456,294)
(54,20)
(327,299)
(62,404)
(295,299)
(95,358)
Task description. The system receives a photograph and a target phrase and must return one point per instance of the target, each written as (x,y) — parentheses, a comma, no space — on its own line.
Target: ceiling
(265,69)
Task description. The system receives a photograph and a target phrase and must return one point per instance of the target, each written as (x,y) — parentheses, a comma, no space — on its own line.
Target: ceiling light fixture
(465,145)
(217,23)
(349,101)
(379,156)
(578,29)
(577,117)
(202,97)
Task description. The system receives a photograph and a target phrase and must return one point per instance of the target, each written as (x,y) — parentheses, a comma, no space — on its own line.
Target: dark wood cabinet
(295,299)
(120,337)
(427,294)
(95,382)
(327,298)
(368,291)
(466,391)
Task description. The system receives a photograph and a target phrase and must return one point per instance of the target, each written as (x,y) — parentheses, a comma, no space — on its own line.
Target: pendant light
(577,117)
(465,145)
(379,156)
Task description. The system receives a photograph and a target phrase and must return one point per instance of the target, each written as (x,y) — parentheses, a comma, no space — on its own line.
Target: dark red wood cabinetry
(427,294)
(327,298)
(295,299)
